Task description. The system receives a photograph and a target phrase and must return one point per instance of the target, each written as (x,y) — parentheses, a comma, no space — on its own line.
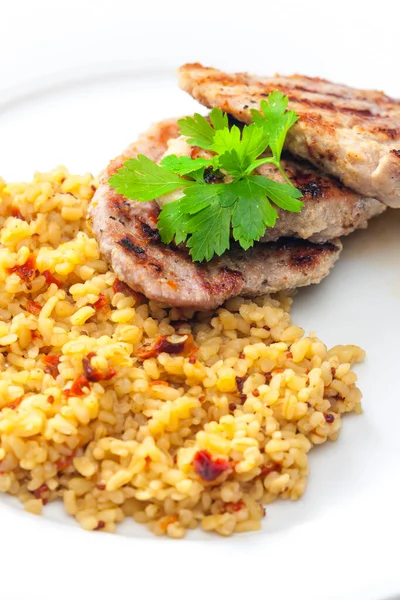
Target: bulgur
(123,408)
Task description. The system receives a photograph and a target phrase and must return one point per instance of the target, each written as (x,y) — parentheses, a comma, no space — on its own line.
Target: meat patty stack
(343,154)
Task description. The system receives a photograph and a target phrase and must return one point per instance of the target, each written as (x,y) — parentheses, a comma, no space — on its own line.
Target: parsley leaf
(254,142)
(283,195)
(252,213)
(226,140)
(219,119)
(275,121)
(142,179)
(198,130)
(211,227)
(172,223)
(182,165)
(200,196)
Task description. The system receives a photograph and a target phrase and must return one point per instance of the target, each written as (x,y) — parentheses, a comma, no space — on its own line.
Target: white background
(347,40)
(73,89)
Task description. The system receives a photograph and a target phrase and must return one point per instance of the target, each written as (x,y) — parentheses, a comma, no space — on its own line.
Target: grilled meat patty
(351,134)
(128,238)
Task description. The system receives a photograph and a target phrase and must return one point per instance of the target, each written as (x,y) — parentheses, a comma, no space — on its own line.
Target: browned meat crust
(330,209)
(351,134)
(129,240)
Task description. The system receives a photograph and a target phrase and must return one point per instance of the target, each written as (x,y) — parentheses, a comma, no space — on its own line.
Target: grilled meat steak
(128,238)
(351,134)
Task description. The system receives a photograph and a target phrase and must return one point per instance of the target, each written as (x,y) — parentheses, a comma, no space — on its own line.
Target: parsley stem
(282,172)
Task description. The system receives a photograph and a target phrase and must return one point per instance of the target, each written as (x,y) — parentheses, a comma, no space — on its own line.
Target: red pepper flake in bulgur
(100,525)
(50,278)
(255,393)
(289,355)
(171,344)
(232,406)
(239,383)
(64,462)
(101,486)
(27,271)
(92,374)
(193,355)
(234,506)
(16,213)
(243,397)
(329,417)
(268,377)
(101,303)
(42,493)
(33,307)
(167,520)
(15,403)
(52,361)
(242,356)
(158,382)
(50,399)
(333,371)
(208,468)
(267,469)
(78,386)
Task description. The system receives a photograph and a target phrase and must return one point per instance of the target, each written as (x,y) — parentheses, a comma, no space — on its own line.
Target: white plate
(337,541)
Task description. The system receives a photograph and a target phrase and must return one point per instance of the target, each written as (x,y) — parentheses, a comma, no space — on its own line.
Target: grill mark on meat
(360,112)
(303,252)
(151,233)
(396,152)
(128,245)
(231,276)
(324,105)
(122,209)
(156,267)
(300,88)
(388,131)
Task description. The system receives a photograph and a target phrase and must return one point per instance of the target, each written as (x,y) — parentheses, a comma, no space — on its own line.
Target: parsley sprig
(207,215)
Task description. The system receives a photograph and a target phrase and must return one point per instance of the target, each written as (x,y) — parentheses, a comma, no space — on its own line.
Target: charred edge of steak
(396,152)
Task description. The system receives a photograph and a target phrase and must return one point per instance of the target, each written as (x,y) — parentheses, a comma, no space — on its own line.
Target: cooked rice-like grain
(124,408)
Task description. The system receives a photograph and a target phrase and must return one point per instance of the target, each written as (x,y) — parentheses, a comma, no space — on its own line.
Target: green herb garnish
(208,213)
